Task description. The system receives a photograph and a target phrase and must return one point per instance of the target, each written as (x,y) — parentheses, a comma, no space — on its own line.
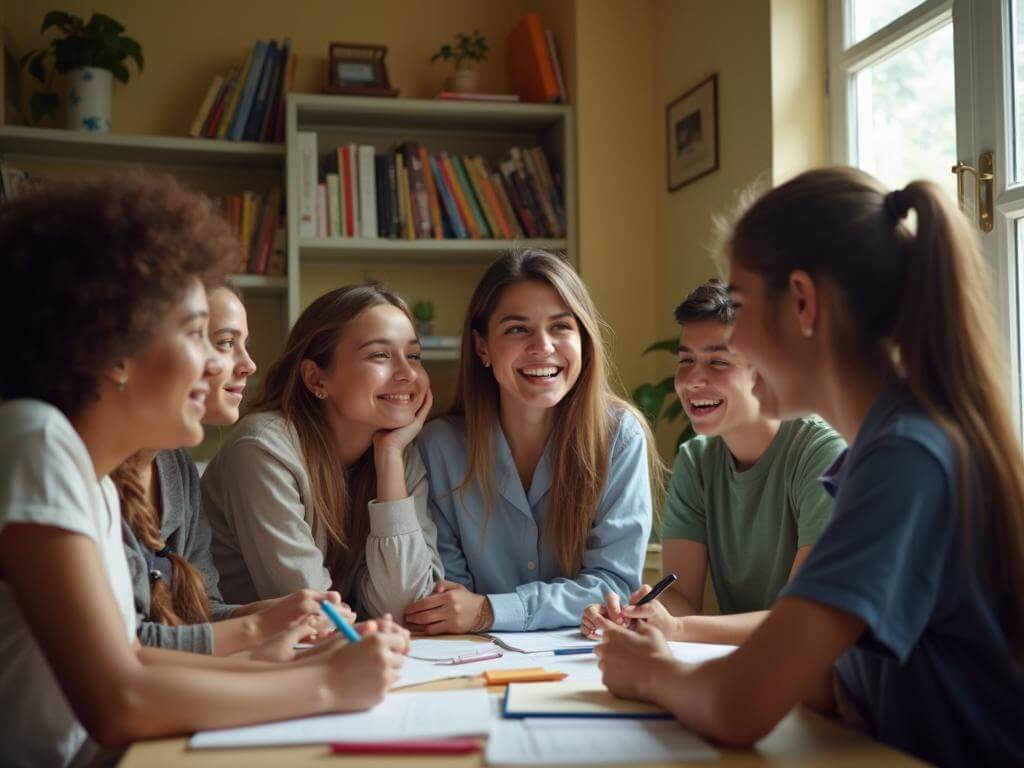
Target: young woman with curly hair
(178,603)
(104,282)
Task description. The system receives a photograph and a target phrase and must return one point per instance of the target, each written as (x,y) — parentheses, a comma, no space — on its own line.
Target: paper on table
(573,698)
(698,653)
(437,714)
(586,742)
(536,642)
(429,649)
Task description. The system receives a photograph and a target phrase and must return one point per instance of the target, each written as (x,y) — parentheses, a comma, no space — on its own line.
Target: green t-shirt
(752,522)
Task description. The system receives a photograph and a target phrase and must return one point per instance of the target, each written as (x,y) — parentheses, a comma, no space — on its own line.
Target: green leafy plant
(98,43)
(467,48)
(423,311)
(650,398)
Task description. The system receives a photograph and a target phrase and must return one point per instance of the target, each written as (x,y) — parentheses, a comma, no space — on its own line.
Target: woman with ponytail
(321,487)
(167,538)
(540,475)
(908,616)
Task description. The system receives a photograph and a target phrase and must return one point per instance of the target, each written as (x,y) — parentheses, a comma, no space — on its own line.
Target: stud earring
(122,383)
(487,364)
(321,394)
(808,332)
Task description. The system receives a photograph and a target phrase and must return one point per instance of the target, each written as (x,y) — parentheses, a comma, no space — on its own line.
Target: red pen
(412,747)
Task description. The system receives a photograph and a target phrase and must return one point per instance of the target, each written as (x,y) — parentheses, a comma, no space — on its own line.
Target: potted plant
(423,314)
(90,54)
(467,51)
(650,398)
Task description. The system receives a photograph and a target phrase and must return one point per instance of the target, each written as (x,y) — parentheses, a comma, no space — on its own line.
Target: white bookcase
(458,127)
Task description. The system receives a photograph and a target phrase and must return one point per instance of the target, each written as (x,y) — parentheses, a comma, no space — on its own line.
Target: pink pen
(469,658)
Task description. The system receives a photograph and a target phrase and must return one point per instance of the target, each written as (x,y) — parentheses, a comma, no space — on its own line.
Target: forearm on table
(732,629)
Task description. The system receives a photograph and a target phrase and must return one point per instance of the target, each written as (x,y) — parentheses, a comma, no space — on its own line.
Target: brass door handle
(983,180)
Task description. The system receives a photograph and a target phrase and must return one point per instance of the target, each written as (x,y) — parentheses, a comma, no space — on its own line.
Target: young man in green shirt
(744,499)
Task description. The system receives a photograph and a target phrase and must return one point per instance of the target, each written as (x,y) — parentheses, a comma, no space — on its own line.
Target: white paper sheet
(536,642)
(437,714)
(431,649)
(698,653)
(557,741)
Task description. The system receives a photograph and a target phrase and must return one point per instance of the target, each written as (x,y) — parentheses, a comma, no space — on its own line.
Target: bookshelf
(487,129)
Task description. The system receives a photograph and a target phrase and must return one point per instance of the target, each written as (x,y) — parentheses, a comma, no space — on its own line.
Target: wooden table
(804,739)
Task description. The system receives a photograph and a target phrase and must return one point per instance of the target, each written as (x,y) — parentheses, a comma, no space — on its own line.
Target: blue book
(248,93)
(450,209)
(254,125)
(277,86)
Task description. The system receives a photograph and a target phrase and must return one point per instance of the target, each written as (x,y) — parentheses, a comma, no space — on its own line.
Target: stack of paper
(438,714)
(592,742)
(539,642)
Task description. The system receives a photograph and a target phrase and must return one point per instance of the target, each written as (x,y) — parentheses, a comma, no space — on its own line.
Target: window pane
(1017,56)
(906,114)
(869,16)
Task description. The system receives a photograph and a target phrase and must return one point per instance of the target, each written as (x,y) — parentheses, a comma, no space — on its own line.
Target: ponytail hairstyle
(184,600)
(581,440)
(339,498)
(921,299)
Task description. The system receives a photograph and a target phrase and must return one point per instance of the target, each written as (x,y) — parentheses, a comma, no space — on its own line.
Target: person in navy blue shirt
(908,617)
(540,477)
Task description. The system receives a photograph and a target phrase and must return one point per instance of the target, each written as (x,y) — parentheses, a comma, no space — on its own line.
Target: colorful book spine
(514,188)
(540,162)
(220,105)
(524,164)
(254,123)
(203,114)
(274,95)
(367,193)
(506,206)
(286,88)
(232,105)
(474,204)
(321,209)
(347,180)
(487,205)
(307,144)
(436,227)
(447,200)
(417,190)
(248,92)
(465,212)
(334,205)
(405,199)
(394,213)
(380,171)
(270,224)
(278,258)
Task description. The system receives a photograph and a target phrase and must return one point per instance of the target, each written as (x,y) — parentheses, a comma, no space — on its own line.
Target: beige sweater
(256,496)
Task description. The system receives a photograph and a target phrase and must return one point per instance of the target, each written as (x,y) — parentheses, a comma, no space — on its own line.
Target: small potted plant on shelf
(467,51)
(650,398)
(423,314)
(91,55)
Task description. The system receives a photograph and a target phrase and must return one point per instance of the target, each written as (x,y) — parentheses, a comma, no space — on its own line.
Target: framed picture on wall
(691,134)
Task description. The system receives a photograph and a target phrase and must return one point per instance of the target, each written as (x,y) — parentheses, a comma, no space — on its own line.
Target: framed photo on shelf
(691,134)
(355,69)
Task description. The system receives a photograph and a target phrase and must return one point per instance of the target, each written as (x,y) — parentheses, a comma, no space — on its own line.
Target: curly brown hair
(90,267)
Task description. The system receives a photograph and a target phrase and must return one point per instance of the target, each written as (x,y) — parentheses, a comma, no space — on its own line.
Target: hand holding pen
(643,606)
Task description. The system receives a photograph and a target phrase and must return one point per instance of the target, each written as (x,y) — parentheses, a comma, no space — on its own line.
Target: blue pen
(572,651)
(332,613)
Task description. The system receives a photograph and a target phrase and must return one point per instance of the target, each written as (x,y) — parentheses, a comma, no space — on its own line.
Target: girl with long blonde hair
(540,476)
(907,618)
(321,486)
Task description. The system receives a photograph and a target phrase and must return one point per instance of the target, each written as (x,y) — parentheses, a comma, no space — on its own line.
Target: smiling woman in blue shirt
(540,476)
(908,615)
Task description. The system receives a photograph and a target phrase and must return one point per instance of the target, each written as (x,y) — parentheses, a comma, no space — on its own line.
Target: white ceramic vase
(89,90)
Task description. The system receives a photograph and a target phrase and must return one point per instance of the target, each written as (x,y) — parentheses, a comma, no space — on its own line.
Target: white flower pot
(88,102)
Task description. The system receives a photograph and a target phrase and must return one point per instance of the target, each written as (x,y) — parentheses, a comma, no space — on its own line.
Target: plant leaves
(42,104)
(685,435)
(120,71)
(649,398)
(131,47)
(673,410)
(63,21)
(105,25)
(36,67)
(667,345)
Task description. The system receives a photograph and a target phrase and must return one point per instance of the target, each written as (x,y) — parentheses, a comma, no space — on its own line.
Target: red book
(531,73)
(348,179)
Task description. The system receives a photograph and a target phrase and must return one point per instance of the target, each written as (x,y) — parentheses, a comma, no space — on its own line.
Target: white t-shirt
(47,478)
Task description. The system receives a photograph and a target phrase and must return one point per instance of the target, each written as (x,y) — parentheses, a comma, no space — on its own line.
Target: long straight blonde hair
(581,441)
(339,498)
(920,299)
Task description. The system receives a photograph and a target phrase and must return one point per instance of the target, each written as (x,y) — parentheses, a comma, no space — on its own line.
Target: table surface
(803,739)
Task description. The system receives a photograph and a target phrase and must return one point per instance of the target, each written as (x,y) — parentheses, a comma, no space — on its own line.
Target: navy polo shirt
(933,673)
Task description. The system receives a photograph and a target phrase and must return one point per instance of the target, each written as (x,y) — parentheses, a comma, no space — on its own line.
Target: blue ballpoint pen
(572,651)
(332,613)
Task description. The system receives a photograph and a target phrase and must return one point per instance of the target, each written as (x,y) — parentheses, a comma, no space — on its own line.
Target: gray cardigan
(256,495)
(184,528)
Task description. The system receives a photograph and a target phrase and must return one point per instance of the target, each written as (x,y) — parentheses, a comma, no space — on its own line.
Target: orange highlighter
(525,675)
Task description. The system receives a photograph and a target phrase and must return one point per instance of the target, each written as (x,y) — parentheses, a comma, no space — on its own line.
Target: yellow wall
(614,120)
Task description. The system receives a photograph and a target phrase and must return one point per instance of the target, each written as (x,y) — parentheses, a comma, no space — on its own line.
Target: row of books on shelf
(258,221)
(411,194)
(246,103)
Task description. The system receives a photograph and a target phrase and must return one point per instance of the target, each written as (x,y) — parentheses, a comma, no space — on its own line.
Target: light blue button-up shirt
(508,559)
